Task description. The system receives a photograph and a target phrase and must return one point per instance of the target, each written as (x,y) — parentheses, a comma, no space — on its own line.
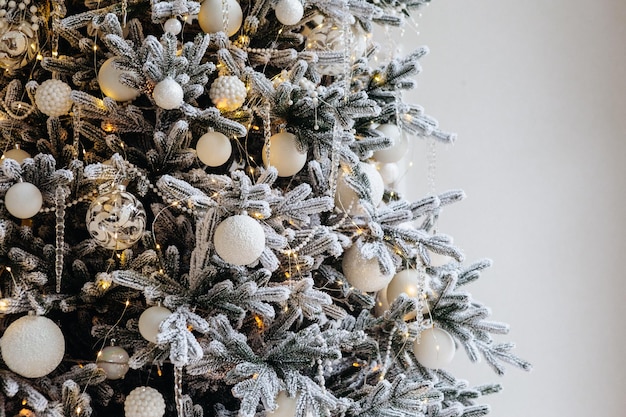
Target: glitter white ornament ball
(435,348)
(168,94)
(150,321)
(289,12)
(285,155)
(173,26)
(110,84)
(214,149)
(363,274)
(32,346)
(228,92)
(113,360)
(239,240)
(347,199)
(212,13)
(399,144)
(16,154)
(23,200)
(53,98)
(144,402)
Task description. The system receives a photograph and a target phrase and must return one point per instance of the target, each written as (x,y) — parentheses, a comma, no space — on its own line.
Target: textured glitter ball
(144,402)
(53,98)
(228,92)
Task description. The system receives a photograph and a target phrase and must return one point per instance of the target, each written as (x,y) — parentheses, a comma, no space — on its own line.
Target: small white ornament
(110,84)
(289,12)
(399,144)
(228,92)
(382,304)
(214,149)
(173,26)
(53,98)
(389,172)
(23,200)
(168,94)
(150,321)
(284,154)
(212,13)
(113,360)
(16,154)
(435,348)
(144,402)
(32,346)
(239,240)
(347,199)
(363,274)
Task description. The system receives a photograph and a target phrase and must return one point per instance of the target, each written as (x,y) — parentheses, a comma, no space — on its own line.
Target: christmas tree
(201,217)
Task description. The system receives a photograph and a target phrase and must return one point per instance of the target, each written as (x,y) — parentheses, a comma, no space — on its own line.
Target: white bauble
(113,360)
(144,402)
(228,92)
(150,321)
(16,154)
(239,240)
(399,144)
(435,348)
(389,172)
(23,200)
(363,274)
(407,282)
(346,197)
(214,149)
(289,12)
(110,84)
(168,94)
(284,154)
(32,346)
(286,406)
(53,98)
(173,26)
(211,16)
(382,304)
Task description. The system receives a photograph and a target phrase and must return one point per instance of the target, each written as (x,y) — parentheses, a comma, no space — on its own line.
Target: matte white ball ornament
(173,26)
(363,274)
(144,402)
(32,346)
(228,92)
(214,149)
(110,84)
(239,240)
(53,98)
(399,144)
(150,321)
(382,304)
(212,12)
(284,154)
(113,360)
(435,348)
(289,12)
(168,94)
(407,282)
(286,406)
(389,172)
(23,200)
(16,154)
(346,197)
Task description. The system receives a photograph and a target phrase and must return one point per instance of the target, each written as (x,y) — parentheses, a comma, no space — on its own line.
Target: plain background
(537,93)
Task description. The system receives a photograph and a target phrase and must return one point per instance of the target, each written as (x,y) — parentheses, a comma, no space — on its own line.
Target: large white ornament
(389,172)
(16,154)
(284,154)
(228,93)
(289,12)
(214,149)
(435,348)
(150,321)
(113,360)
(399,144)
(53,98)
(382,304)
(212,13)
(144,402)
(110,84)
(23,200)
(363,274)
(239,240)
(32,346)
(168,94)
(173,26)
(407,282)
(347,199)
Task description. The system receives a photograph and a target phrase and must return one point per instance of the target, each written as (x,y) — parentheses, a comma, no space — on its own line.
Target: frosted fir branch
(211,118)
(304,302)
(75,401)
(473,272)
(172,150)
(297,205)
(180,191)
(174,332)
(163,10)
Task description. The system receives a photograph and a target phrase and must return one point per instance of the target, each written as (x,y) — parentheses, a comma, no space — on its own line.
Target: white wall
(537,93)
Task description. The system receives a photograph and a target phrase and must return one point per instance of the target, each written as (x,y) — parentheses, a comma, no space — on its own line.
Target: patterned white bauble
(173,26)
(363,274)
(212,13)
(16,154)
(15,41)
(289,12)
(399,144)
(53,98)
(168,94)
(110,84)
(144,402)
(228,92)
(23,200)
(239,240)
(284,154)
(113,360)
(150,321)
(32,346)
(435,348)
(214,149)
(346,197)
(389,172)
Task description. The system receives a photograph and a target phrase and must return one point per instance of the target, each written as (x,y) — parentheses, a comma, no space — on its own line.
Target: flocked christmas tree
(194,221)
